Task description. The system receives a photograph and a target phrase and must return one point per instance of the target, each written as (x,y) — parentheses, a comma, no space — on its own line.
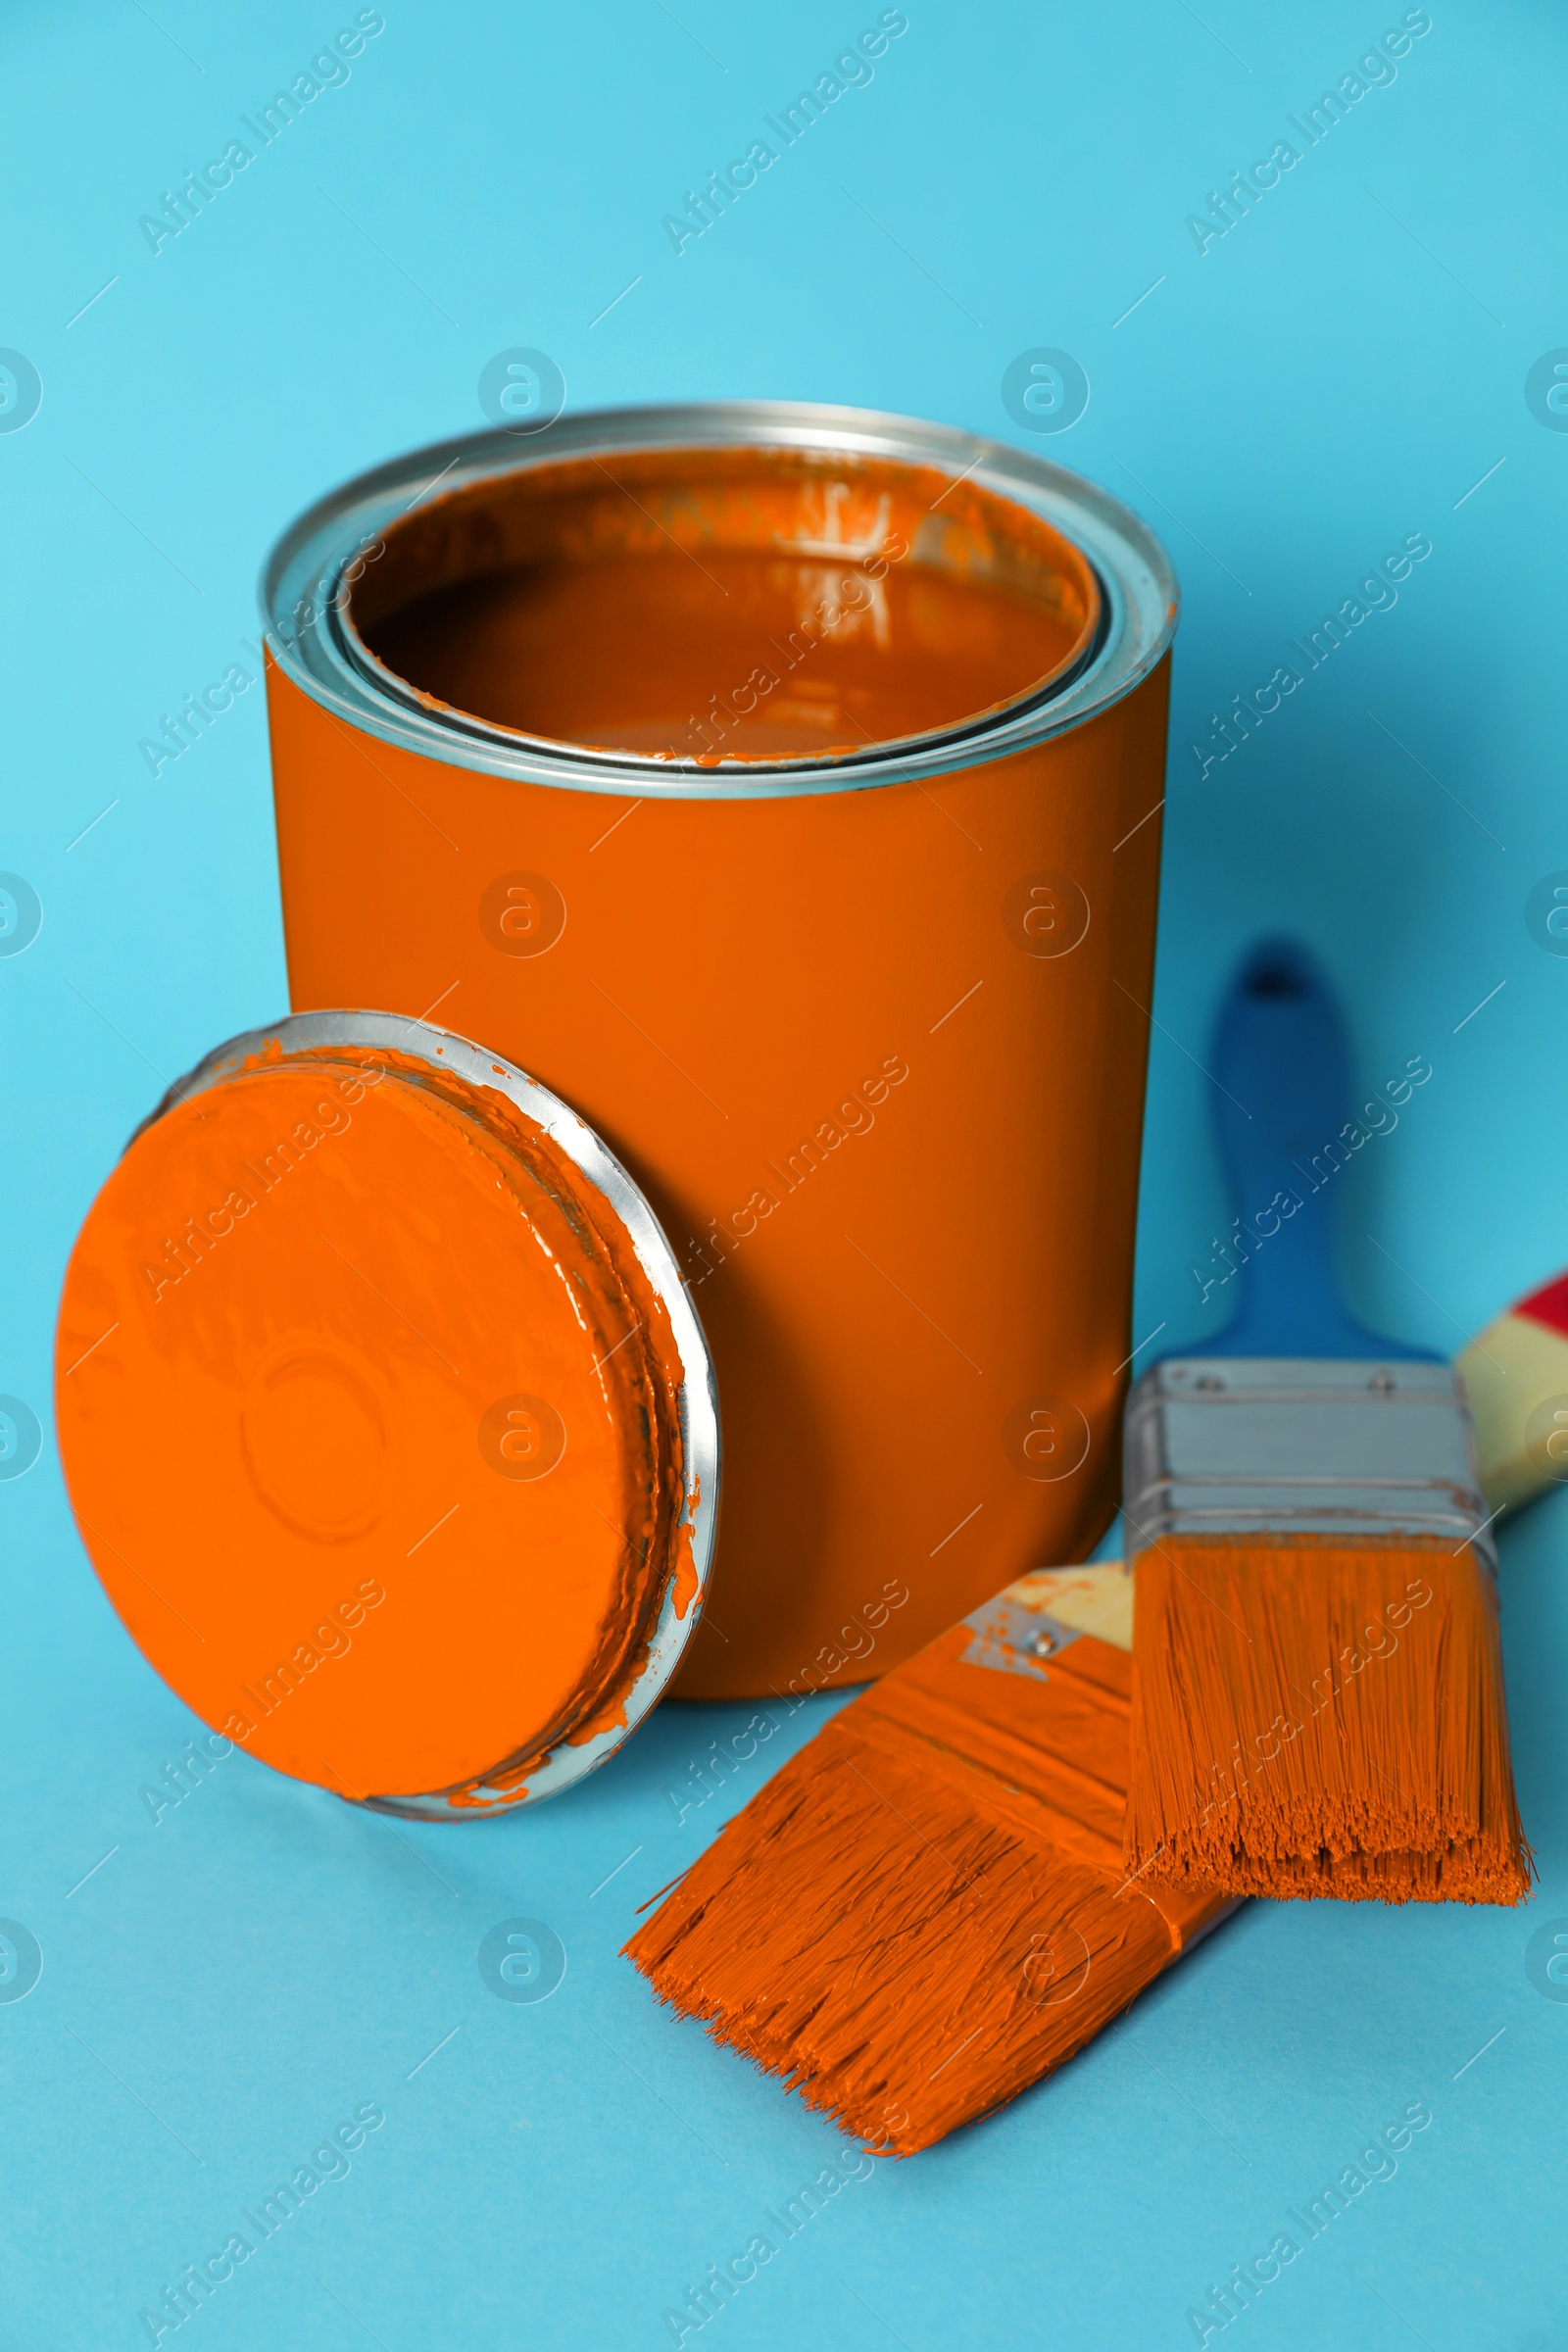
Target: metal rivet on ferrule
(1383,1382)
(1209,1381)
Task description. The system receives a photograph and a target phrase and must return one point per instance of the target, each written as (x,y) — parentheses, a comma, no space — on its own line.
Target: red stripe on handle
(1548,1306)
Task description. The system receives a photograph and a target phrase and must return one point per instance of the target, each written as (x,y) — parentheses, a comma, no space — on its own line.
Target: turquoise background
(1338,370)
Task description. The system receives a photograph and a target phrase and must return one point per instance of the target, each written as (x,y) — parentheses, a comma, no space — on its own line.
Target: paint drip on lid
(388,1424)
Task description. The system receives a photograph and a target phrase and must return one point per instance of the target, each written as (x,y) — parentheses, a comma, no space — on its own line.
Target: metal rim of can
(302,584)
(351,646)
(697,1398)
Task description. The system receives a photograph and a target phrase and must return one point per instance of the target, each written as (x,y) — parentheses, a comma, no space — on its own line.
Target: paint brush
(1318,1702)
(924,1911)
(1517,1377)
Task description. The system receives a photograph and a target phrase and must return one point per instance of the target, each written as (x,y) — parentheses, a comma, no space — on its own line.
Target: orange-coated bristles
(1318,1718)
(924,1911)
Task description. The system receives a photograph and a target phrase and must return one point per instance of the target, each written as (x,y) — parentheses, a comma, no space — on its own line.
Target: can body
(876,1057)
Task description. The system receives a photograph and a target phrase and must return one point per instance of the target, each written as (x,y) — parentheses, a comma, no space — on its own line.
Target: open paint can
(386,1418)
(782,786)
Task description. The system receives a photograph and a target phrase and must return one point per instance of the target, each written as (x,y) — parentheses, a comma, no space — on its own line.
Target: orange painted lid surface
(370,1414)
(720,607)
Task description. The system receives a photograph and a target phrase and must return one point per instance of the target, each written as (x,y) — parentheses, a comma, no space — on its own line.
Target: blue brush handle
(1281,1060)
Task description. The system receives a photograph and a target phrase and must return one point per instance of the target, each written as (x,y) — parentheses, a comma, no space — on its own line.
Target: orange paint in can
(851,968)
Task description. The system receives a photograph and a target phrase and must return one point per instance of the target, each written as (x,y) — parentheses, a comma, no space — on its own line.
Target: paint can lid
(388,1424)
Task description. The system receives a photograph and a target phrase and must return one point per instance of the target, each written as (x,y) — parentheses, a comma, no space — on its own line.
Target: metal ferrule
(303,583)
(1224,1446)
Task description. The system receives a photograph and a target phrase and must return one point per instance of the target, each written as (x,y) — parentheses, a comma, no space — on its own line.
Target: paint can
(386,1419)
(810,845)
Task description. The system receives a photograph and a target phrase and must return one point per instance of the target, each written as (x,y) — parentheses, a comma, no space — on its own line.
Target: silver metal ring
(301,588)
